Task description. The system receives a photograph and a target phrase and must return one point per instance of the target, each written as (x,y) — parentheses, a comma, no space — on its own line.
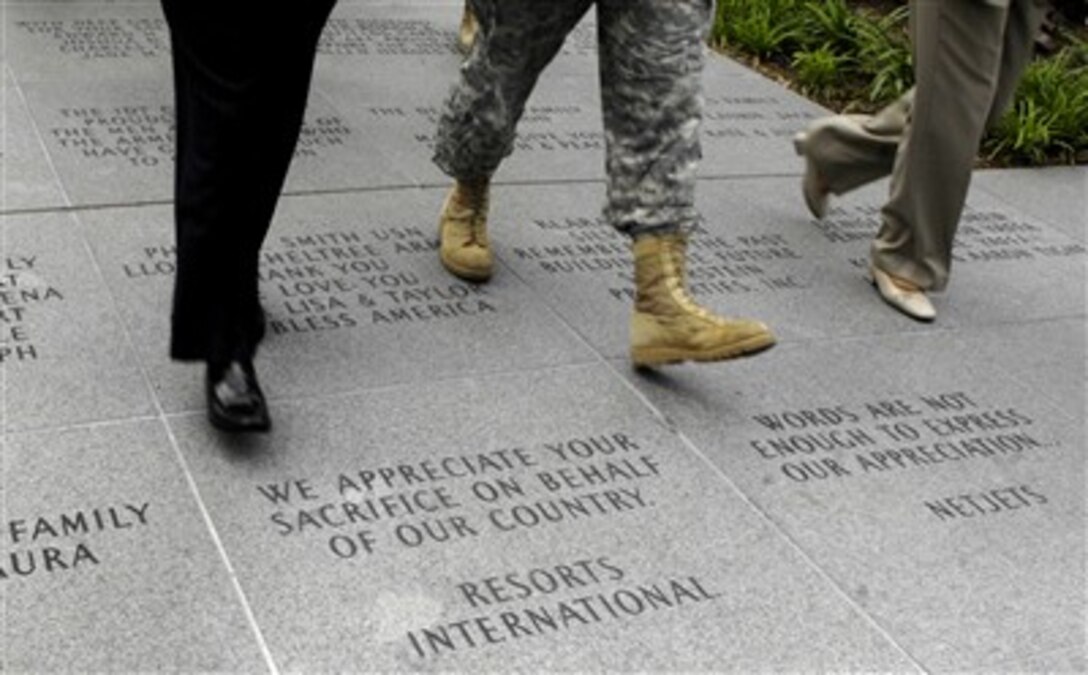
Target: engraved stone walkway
(473,478)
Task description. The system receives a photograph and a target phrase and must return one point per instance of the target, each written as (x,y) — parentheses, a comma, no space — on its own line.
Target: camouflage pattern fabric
(651,62)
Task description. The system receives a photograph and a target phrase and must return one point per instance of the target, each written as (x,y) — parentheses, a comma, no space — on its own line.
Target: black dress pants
(241,78)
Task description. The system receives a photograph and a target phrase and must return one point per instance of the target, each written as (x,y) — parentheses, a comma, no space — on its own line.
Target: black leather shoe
(235,400)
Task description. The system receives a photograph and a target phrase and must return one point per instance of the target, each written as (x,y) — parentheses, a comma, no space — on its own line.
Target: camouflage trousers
(651,56)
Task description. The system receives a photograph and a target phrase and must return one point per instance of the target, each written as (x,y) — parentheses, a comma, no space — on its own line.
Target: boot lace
(474,204)
(676,282)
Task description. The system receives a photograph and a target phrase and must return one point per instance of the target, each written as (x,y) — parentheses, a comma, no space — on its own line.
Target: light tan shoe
(462,229)
(912,302)
(469,28)
(668,326)
(814,186)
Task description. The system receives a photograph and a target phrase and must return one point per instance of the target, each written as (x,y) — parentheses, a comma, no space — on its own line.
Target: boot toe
(472,263)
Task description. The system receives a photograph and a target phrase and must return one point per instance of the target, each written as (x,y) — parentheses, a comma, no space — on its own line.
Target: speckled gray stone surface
(495,526)
(355,296)
(760,255)
(26,179)
(64,352)
(1055,195)
(106,564)
(1049,357)
(939,490)
(746,131)
(1072,660)
(86,41)
(112,143)
(995,243)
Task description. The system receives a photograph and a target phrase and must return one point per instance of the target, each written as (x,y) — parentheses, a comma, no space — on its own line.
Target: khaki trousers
(968,58)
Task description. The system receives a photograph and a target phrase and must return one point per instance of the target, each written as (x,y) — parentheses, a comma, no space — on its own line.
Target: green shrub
(818,70)
(884,55)
(760,27)
(829,23)
(851,58)
(1049,116)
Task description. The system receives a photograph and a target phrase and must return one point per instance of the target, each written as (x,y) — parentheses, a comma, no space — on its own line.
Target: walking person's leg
(958,47)
(516,40)
(1024,23)
(241,81)
(651,63)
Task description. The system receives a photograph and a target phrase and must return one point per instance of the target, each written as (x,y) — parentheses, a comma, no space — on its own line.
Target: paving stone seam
(4,74)
(770,523)
(38,136)
(194,489)
(388,386)
(86,425)
(700,456)
(403,384)
(363,189)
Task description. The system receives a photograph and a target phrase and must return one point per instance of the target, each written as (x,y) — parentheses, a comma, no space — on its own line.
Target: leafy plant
(852,58)
(829,23)
(1049,118)
(884,55)
(760,27)
(818,69)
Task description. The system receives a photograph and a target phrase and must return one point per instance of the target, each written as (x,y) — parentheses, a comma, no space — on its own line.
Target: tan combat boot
(469,27)
(667,325)
(462,229)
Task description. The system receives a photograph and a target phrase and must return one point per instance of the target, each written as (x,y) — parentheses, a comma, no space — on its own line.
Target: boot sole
(660,356)
(464,272)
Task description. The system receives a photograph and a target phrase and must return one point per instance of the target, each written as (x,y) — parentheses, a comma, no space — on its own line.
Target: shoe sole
(899,308)
(227,424)
(660,356)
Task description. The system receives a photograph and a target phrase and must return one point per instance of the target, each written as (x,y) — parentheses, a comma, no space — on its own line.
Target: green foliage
(818,69)
(849,57)
(884,55)
(763,28)
(1049,116)
(830,23)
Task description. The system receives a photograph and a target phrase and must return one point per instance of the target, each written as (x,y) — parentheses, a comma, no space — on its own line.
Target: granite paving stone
(1007,266)
(106,564)
(355,297)
(747,125)
(559,136)
(86,41)
(373,39)
(26,179)
(473,478)
(113,143)
(1050,357)
(63,350)
(1062,662)
(760,255)
(1056,195)
(538,513)
(935,487)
